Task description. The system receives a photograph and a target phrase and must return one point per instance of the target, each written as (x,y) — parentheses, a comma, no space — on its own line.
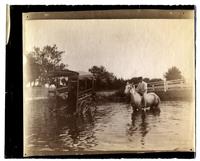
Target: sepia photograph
(108,81)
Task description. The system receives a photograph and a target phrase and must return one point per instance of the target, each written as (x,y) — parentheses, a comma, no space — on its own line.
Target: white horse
(152,100)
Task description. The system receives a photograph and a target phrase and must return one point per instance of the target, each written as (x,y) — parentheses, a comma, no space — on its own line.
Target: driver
(142,90)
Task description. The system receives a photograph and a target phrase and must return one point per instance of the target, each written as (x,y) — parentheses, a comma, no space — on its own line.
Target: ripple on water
(112,127)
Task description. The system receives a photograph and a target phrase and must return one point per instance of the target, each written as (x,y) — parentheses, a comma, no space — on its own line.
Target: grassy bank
(113,96)
(119,96)
(185,95)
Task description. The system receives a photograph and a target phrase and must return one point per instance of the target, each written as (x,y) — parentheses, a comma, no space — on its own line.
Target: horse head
(133,90)
(129,88)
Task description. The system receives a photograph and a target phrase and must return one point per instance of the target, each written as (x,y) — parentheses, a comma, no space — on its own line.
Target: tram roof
(70,73)
(84,75)
(62,73)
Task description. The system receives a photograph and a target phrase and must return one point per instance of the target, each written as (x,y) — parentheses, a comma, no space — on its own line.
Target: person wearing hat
(142,90)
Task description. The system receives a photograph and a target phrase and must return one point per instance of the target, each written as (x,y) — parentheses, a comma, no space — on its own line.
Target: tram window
(82,85)
(85,84)
(64,81)
(89,83)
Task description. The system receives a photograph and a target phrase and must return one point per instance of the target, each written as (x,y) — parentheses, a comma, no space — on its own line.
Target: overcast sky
(128,48)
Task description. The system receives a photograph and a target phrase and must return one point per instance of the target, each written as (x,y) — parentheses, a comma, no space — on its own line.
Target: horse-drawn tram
(74,89)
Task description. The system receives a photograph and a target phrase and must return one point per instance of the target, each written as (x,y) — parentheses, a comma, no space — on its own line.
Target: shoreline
(41,93)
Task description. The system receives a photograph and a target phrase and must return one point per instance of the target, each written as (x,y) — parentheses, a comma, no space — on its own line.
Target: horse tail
(157,108)
(157,99)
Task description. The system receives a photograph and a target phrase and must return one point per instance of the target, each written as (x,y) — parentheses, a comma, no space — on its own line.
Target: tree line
(42,61)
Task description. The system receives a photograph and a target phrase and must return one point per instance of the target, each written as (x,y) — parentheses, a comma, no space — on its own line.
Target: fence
(171,85)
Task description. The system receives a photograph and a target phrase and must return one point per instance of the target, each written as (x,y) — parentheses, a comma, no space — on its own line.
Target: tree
(134,80)
(32,69)
(173,73)
(62,66)
(46,59)
(104,79)
(146,80)
(119,83)
(155,80)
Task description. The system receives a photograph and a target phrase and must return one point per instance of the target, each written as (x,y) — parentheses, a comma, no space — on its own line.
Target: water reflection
(77,133)
(52,130)
(140,124)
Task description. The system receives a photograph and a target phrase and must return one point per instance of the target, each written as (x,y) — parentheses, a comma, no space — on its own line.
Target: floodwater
(49,130)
